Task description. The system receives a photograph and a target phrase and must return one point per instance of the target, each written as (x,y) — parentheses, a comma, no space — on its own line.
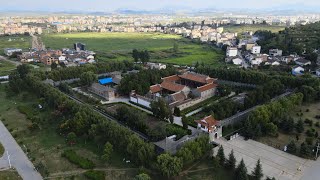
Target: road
(312,172)
(18,158)
(37,43)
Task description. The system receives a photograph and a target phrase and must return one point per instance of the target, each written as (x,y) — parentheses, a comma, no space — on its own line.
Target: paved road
(17,157)
(312,172)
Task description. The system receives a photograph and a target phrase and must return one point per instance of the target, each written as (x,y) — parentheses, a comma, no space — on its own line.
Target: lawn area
(21,41)
(45,145)
(118,46)
(6,67)
(309,111)
(253,28)
(9,175)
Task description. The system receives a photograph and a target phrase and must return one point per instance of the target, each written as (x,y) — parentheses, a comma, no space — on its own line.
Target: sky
(111,5)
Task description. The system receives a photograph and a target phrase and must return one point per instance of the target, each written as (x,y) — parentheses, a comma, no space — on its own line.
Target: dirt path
(77,172)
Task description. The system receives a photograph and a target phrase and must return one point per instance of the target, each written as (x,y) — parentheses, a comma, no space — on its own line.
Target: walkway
(18,159)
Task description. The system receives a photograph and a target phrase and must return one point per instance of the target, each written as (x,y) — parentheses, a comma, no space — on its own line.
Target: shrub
(82,162)
(95,175)
(173,129)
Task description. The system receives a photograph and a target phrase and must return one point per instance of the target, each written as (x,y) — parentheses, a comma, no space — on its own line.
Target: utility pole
(318,147)
(9,159)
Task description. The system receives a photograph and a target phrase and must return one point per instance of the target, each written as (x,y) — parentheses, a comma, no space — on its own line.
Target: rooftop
(105,81)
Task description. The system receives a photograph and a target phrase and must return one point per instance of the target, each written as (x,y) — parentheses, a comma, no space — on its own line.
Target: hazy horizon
(150,5)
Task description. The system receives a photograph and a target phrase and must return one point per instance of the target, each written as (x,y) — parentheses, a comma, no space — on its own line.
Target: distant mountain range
(293,9)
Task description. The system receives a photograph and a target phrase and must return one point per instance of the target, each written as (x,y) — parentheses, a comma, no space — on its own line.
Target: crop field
(253,28)
(23,42)
(118,46)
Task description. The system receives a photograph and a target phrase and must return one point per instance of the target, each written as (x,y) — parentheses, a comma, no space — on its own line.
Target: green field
(21,41)
(6,67)
(253,28)
(118,46)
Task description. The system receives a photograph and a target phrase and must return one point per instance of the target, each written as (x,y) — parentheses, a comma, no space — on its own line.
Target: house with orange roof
(210,125)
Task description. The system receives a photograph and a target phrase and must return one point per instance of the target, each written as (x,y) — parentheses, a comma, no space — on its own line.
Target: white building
(237,61)
(256,50)
(297,70)
(10,51)
(157,66)
(275,52)
(211,126)
(232,52)
(302,62)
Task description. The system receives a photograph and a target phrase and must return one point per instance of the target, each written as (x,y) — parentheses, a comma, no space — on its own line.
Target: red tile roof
(208,122)
(172,78)
(155,88)
(180,96)
(206,87)
(197,77)
(172,86)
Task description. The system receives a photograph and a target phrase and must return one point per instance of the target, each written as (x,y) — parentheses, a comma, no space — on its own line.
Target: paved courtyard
(275,163)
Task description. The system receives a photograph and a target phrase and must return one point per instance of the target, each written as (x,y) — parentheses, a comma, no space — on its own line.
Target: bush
(82,162)
(173,129)
(95,175)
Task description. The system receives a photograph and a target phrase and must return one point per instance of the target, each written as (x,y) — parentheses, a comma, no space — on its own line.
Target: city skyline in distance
(165,6)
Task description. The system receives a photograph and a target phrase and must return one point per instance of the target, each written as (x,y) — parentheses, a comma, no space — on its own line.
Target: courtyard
(275,163)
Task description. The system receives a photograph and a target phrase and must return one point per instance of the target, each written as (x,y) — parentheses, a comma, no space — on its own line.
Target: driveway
(18,159)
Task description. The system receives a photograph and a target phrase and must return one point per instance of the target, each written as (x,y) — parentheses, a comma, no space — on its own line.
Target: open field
(253,28)
(45,145)
(6,67)
(21,41)
(118,46)
(9,175)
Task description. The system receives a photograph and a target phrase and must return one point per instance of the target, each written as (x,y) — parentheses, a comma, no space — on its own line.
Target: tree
(54,66)
(142,176)
(299,126)
(177,111)
(304,150)
(23,70)
(160,109)
(168,165)
(175,47)
(220,156)
(184,120)
(231,162)
(292,148)
(71,138)
(135,55)
(107,151)
(241,171)
(257,172)
(87,78)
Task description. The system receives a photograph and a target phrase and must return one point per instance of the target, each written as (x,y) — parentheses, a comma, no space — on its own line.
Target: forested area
(141,81)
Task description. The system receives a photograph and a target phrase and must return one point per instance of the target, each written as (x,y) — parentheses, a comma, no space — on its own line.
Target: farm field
(6,67)
(253,28)
(118,46)
(45,146)
(21,41)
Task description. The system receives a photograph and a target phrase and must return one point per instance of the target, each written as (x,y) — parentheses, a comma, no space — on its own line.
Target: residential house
(106,92)
(256,49)
(272,62)
(297,70)
(275,52)
(210,125)
(302,62)
(287,59)
(237,61)
(232,52)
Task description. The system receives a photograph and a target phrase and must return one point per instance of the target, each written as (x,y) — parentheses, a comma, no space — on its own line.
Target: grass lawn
(284,139)
(253,28)
(207,170)
(20,41)
(6,67)
(46,145)
(9,175)
(118,46)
